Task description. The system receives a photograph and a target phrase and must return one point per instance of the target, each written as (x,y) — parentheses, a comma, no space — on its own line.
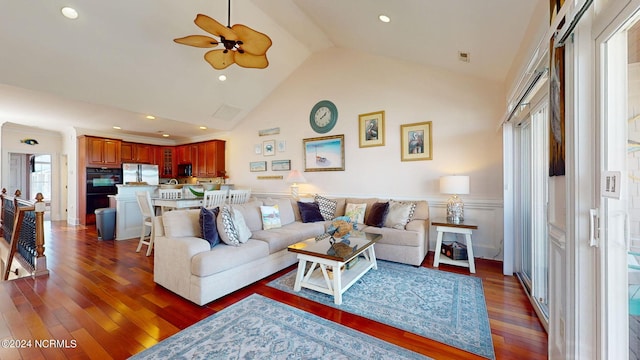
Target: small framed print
(256,166)
(415,140)
(282,146)
(257,149)
(371,129)
(280,165)
(269,148)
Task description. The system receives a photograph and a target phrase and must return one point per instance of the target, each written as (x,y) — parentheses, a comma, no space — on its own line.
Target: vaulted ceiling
(117,63)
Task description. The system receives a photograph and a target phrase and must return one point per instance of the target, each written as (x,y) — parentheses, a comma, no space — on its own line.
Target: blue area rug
(260,328)
(445,307)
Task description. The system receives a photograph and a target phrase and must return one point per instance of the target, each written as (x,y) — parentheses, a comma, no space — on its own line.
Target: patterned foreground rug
(445,307)
(260,328)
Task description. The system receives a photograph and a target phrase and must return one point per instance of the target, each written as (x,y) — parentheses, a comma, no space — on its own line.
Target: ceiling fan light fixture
(242,45)
(384,18)
(69,12)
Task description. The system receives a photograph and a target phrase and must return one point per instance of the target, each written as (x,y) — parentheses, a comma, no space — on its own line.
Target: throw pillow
(226,227)
(208,225)
(309,212)
(399,214)
(327,206)
(244,233)
(377,214)
(355,212)
(270,217)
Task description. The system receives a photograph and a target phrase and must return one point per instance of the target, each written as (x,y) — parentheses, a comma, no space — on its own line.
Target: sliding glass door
(531,200)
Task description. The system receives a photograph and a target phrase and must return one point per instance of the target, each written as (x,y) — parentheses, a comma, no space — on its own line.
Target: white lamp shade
(295,177)
(454,184)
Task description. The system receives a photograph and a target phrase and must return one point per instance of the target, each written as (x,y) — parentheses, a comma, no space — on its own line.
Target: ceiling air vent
(226,112)
(464,56)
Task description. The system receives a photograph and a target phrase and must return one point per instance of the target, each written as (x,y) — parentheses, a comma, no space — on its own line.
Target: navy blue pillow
(377,214)
(208,225)
(310,212)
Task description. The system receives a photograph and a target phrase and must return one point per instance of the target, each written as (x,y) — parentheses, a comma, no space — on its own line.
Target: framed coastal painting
(280,165)
(256,166)
(371,129)
(415,140)
(324,153)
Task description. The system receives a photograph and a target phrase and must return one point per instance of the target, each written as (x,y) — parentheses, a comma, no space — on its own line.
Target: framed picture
(256,166)
(257,148)
(415,140)
(371,127)
(280,165)
(282,145)
(269,148)
(324,153)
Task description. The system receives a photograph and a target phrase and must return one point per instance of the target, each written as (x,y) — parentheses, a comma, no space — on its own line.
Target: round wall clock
(323,117)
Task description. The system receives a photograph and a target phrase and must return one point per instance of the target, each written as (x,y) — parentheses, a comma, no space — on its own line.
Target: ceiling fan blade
(253,42)
(251,61)
(200,41)
(213,27)
(220,59)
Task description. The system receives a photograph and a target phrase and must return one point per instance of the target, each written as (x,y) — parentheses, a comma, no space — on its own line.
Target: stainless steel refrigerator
(140,173)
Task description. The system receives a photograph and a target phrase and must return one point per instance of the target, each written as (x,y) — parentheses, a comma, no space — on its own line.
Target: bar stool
(148,215)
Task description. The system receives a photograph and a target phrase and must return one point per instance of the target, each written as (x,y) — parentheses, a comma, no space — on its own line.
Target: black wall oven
(100,184)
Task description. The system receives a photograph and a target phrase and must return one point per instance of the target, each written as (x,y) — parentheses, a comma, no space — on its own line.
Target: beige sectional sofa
(186,264)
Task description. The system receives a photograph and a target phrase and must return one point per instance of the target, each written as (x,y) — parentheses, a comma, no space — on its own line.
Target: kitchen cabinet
(166,160)
(137,153)
(210,159)
(100,152)
(187,154)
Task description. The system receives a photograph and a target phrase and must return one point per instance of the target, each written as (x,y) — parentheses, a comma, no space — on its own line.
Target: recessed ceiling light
(203,128)
(384,18)
(222,77)
(69,13)
(165,135)
(117,127)
(150,117)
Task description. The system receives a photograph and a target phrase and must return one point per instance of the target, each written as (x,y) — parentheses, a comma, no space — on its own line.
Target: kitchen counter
(128,215)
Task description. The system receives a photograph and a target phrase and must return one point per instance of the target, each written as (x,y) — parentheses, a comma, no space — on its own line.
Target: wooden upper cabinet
(210,158)
(187,154)
(166,160)
(137,153)
(101,152)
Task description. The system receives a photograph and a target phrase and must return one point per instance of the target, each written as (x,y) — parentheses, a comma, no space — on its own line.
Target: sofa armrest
(420,226)
(172,261)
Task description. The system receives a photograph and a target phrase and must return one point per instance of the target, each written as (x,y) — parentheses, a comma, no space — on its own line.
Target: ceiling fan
(242,45)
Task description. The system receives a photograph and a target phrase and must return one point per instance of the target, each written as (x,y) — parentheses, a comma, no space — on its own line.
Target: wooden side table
(465,228)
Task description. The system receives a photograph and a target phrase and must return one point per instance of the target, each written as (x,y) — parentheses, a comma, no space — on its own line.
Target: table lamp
(294,178)
(454,185)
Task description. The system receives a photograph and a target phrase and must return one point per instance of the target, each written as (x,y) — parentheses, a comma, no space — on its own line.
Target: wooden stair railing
(23,222)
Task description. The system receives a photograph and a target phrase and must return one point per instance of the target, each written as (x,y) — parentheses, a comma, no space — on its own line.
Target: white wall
(464,112)
(48,143)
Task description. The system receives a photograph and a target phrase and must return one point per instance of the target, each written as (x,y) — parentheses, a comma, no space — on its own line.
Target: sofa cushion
(270,217)
(226,227)
(400,213)
(278,239)
(181,223)
(398,237)
(377,214)
(355,212)
(309,212)
(251,213)
(208,225)
(327,206)
(368,201)
(224,257)
(285,206)
(244,233)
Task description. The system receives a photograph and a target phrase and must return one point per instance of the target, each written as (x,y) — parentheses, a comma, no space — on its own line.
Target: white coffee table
(323,262)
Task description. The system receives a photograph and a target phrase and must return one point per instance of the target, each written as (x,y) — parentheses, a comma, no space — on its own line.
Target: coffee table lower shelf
(317,278)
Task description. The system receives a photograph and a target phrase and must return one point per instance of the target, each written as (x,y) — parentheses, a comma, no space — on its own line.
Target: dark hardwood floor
(100,302)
